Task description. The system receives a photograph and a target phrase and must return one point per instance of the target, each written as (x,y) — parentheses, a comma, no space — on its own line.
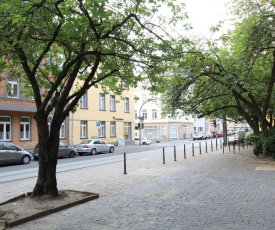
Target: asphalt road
(18,172)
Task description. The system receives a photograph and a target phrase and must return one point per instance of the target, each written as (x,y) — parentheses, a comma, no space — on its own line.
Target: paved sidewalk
(206,191)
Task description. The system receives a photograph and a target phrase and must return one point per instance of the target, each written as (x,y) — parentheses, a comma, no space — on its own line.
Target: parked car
(207,135)
(10,153)
(217,134)
(63,151)
(145,141)
(198,136)
(94,146)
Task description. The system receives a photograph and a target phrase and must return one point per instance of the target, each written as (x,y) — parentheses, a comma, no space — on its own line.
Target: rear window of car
(85,142)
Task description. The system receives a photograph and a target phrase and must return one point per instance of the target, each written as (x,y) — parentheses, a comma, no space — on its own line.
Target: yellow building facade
(105,116)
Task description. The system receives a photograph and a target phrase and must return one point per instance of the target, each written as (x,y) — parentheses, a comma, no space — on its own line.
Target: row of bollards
(222,145)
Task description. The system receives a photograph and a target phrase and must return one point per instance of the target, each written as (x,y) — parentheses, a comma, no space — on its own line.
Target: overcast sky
(205,13)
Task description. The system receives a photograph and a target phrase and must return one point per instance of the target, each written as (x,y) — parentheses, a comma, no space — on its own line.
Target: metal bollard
(216,143)
(206,146)
(184,151)
(175,157)
(125,164)
(163,155)
(211,146)
(193,154)
(200,147)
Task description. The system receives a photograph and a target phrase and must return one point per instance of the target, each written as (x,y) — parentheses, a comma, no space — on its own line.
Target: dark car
(64,151)
(10,153)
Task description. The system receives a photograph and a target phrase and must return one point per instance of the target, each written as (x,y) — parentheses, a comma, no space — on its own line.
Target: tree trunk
(46,183)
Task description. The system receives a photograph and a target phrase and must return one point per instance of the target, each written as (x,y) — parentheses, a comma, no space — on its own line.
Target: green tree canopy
(235,79)
(52,44)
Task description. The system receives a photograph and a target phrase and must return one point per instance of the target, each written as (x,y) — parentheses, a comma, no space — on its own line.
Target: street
(18,172)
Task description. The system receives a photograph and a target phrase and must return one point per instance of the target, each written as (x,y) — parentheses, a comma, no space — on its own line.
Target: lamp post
(141,121)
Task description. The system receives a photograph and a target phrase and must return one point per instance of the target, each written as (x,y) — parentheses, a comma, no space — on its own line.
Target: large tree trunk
(46,183)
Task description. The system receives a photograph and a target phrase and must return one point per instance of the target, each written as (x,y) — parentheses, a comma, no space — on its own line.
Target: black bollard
(206,146)
(163,155)
(175,157)
(125,164)
(200,147)
(211,146)
(184,151)
(193,154)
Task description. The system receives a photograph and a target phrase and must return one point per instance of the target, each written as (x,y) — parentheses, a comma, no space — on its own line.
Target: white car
(145,141)
(94,146)
(198,136)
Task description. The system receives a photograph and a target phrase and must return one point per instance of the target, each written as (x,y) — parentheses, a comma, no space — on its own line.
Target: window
(127,130)
(102,129)
(83,129)
(144,114)
(154,114)
(84,101)
(113,129)
(126,105)
(5,128)
(13,89)
(162,131)
(173,131)
(136,115)
(25,128)
(62,131)
(101,101)
(112,103)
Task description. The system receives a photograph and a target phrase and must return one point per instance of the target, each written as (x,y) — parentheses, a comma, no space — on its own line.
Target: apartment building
(105,116)
(16,114)
(99,115)
(159,127)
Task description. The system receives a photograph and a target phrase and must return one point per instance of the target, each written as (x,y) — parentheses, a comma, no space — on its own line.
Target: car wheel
(111,150)
(93,151)
(143,143)
(72,154)
(80,154)
(35,158)
(25,159)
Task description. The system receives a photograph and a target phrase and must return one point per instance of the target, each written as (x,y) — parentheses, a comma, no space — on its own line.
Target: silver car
(10,153)
(94,146)
(63,151)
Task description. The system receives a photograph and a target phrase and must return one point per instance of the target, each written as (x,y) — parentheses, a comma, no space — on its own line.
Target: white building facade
(156,126)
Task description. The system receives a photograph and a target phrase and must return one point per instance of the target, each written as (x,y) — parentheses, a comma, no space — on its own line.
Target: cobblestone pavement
(206,191)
